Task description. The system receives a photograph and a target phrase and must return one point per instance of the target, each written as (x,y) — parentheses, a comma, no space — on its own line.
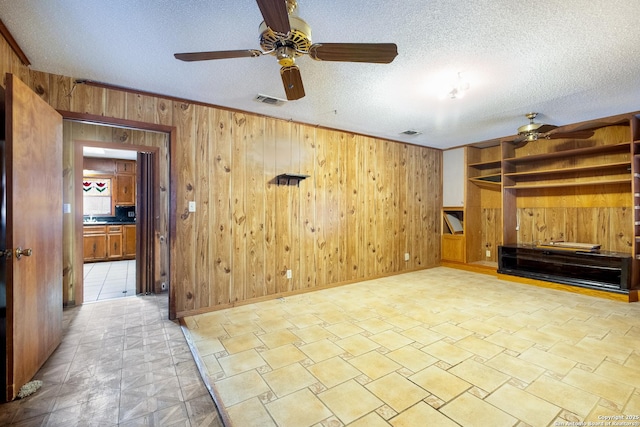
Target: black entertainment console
(609,271)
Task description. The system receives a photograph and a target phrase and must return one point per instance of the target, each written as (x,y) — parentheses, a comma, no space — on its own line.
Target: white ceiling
(570,60)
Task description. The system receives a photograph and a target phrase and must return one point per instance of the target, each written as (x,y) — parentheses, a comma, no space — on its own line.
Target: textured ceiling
(570,60)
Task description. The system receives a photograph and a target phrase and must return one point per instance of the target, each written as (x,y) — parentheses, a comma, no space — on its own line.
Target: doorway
(109,202)
(149,264)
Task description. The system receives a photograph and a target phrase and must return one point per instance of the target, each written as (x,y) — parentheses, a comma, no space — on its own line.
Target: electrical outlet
(289,275)
(192,206)
(406,256)
(488,253)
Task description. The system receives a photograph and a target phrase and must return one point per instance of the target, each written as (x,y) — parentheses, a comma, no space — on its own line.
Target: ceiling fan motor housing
(288,46)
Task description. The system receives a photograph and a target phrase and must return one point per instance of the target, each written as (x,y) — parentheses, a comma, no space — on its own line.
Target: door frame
(132,124)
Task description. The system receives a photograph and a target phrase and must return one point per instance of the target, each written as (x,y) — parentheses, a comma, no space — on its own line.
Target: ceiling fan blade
(546,128)
(275,15)
(220,54)
(292,81)
(379,53)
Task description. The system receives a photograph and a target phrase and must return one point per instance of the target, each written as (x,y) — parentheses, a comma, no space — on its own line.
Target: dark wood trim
(13,44)
(171,131)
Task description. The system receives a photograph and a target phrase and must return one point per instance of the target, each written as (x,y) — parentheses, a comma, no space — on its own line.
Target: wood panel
(367,201)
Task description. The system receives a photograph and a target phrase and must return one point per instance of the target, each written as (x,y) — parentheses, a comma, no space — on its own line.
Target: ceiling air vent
(266,99)
(410,132)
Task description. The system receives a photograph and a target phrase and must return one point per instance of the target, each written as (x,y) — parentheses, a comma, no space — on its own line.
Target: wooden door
(33,191)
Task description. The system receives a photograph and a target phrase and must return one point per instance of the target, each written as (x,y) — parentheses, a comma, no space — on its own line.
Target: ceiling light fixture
(459,88)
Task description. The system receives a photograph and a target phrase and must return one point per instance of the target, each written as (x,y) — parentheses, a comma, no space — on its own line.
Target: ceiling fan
(534,131)
(287,37)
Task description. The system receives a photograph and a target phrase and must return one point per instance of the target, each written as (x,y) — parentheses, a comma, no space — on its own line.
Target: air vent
(265,99)
(410,132)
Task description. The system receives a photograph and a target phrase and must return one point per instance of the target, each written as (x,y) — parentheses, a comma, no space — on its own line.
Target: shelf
(568,170)
(611,148)
(485,165)
(490,181)
(568,184)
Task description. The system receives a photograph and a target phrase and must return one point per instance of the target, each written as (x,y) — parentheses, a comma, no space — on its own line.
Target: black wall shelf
(290,178)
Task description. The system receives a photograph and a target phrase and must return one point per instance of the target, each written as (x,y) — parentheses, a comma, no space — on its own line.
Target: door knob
(20,252)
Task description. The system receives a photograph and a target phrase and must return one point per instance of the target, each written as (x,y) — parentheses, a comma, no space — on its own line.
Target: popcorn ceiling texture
(571,61)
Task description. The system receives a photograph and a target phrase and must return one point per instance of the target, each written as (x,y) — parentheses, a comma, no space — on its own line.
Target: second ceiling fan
(287,37)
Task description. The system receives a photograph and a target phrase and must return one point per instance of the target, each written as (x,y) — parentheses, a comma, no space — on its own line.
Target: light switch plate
(192,206)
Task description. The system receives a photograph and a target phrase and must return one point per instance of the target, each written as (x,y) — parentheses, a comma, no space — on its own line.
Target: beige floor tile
(447,352)
(374,365)
(299,409)
(468,410)
(515,367)
(357,345)
(278,338)
(283,356)
(482,376)
(619,373)
(564,395)
(344,329)
(403,322)
(509,341)
(211,346)
(241,362)
(479,327)
(541,338)
(250,413)
(291,378)
(440,382)
(241,387)
(396,391)
(334,371)
(304,320)
(422,414)
(422,335)
(451,331)
(633,406)
(321,350)
(273,324)
(332,317)
(235,329)
(240,343)
(576,354)
(411,358)
(350,401)
(312,333)
(604,387)
(374,325)
(479,347)
(211,364)
(370,420)
(391,340)
(601,347)
(548,360)
(524,406)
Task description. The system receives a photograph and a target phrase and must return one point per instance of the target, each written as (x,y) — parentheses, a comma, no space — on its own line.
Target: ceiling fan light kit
(287,37)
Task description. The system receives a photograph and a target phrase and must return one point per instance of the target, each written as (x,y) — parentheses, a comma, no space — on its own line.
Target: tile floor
(121,363)
(440,347)
(107,280)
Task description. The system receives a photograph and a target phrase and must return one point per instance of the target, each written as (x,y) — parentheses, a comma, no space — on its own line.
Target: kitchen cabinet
(125,167)
(114,242)
(129,241)
(125,190)
(95,243)
(109,242)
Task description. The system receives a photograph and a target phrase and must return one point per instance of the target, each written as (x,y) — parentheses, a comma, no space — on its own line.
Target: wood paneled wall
(366,202)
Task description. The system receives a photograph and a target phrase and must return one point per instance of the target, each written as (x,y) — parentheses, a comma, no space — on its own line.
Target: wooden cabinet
(125,190)
(109,242)
(453,237)
(114,242)
(95,243)
(126,167)
(129,241)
